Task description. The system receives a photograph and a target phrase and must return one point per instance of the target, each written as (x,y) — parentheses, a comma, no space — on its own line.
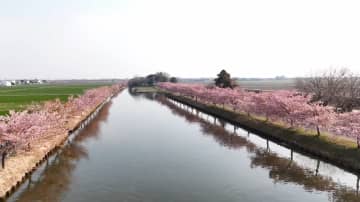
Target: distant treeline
(151,79)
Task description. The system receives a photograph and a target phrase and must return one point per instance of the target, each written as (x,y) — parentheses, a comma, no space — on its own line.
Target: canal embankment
(337,154)
(22,164)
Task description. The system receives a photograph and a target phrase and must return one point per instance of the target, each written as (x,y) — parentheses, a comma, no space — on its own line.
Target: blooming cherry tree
(290,107)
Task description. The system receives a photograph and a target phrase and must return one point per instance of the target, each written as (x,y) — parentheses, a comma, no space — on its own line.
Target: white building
(5,83)
(21,82)
(8,83)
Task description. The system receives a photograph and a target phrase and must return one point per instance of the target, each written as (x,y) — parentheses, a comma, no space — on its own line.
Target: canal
(150,148)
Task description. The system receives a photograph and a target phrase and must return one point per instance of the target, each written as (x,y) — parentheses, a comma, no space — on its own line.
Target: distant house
(36,81)
(22,82)
(6,83)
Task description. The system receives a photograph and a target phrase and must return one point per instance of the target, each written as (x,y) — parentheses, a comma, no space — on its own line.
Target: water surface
(149,148)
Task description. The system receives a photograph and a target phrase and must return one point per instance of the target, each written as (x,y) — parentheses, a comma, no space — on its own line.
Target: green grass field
(19,97)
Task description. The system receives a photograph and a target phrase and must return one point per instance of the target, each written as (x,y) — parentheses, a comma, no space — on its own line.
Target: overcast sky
(186,38)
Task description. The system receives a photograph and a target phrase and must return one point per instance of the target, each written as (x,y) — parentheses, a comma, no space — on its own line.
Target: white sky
(186,38)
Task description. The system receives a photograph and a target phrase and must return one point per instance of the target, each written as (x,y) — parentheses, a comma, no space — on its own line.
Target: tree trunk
(318,131)
(358,142)
(317,167)
(357,185)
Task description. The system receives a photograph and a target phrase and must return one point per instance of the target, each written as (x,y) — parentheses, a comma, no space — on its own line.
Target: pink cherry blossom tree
(291,107)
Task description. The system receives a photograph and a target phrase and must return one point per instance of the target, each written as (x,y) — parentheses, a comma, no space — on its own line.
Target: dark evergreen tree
(223,80)
(173,80)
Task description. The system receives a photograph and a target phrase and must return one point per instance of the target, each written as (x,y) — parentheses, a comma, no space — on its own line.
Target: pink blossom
(290,107)
(22,128)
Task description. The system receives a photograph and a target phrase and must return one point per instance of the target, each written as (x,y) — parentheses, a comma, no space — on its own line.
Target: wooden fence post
(3,159)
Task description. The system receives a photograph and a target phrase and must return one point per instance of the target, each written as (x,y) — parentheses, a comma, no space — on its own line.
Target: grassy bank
(19,97)
(341,152)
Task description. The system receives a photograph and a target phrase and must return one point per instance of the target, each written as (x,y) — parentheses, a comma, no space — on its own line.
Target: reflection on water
(150,148)
(53,178)
(281,170)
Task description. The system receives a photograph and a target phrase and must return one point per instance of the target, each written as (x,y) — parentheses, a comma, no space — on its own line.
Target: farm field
(19,97)
(268,84)
(260,84)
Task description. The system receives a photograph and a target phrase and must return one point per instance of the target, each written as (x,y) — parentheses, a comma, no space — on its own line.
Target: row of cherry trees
(19,129)
(289,107)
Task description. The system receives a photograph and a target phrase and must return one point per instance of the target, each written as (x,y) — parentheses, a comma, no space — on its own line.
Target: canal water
(150,148)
